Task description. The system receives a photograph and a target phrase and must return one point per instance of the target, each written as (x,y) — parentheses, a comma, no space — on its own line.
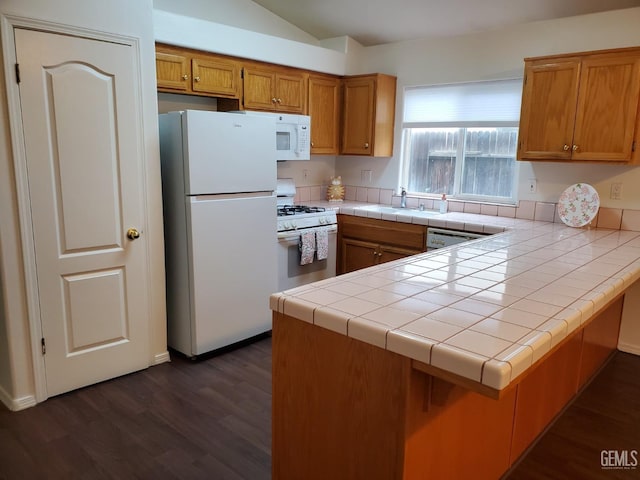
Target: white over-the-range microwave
(293,135)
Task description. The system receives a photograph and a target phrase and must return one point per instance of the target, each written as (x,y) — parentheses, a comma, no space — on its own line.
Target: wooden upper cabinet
(324,109)
(549,99)
(368,114)
(581,107)
(352,115)
(172,72)
(181,70)
(216,76)
(274,90)
(607,108)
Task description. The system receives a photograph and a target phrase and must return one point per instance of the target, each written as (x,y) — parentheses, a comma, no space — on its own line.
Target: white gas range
(300,217)
(306,239)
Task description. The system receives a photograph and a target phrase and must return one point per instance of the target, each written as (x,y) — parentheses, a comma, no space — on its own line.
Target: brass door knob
(133,233)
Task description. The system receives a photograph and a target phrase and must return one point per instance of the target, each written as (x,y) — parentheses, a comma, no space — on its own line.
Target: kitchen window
(461,140)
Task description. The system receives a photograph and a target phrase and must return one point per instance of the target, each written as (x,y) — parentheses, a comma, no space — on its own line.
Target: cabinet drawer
(383,231)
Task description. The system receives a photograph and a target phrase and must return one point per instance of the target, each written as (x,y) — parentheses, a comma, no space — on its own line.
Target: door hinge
(44,346)
(17,73)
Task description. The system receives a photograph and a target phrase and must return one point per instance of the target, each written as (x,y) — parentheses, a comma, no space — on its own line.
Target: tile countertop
(485,310)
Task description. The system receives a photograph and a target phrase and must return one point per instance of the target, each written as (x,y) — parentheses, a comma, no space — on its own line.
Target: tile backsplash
(610,218)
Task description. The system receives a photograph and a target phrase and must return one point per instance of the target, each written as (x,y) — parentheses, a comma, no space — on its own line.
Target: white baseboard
(625,347)
(15,404)
(161,358)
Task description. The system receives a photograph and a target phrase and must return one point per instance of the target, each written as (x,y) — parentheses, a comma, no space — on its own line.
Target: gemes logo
(619,459)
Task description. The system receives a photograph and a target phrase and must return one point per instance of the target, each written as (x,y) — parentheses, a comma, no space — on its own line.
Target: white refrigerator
(218,180)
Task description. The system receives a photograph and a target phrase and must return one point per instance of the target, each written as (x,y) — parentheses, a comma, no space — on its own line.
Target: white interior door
(83,141)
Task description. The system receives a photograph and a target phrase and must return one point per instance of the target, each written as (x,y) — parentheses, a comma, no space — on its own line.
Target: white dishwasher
(440,238)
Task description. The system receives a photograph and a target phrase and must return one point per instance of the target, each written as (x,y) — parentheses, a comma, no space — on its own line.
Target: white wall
(16,379)
(243,14)
(185,31)
(493,55)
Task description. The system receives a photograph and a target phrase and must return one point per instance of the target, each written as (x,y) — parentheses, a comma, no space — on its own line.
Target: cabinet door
(290,93)
(607,106)
(549,100)
(172,71)
(357,254)
(220,77)
(357,126)
(259,86)
(324,109)
(387,253)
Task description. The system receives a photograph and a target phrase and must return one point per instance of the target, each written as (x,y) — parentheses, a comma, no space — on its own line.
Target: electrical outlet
(533,185)
(616,191)
(365,176)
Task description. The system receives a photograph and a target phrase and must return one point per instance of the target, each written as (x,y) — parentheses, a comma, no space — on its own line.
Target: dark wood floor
(189,420)
(211,419)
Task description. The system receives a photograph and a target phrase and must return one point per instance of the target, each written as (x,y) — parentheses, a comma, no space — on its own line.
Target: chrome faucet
(403,198)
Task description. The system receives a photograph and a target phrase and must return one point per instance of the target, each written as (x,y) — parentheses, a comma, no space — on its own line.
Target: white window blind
(494,103)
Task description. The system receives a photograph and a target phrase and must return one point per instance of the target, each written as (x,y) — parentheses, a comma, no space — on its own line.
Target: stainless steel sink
(399,211)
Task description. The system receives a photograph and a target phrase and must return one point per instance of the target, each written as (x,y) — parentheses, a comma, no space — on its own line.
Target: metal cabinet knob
(185,77)
(566,147)
(279,100)
(366,145)
(197,79)
(575,147)
(133,234)
(274,100)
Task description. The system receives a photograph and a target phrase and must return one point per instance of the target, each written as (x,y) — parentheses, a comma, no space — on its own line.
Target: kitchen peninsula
(446,364)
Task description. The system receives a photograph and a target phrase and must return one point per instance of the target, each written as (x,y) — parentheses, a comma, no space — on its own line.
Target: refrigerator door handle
(231,196)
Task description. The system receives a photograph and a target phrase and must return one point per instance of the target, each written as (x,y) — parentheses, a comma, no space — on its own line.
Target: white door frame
(8,24)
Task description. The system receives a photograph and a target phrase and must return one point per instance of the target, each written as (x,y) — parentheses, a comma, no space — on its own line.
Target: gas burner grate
(284,210)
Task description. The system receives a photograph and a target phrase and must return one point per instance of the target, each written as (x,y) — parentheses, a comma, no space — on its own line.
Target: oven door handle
(295,234)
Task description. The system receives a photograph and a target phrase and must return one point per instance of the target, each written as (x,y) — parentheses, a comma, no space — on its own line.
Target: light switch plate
(616,191)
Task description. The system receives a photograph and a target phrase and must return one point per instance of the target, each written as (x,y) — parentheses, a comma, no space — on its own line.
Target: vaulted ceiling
(373,22)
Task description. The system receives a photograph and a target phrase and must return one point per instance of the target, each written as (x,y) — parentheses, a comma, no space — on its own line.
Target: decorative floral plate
(578,205)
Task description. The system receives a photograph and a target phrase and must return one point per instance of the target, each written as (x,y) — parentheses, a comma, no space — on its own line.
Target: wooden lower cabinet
(543,393)
(364,242)
(600,337)
(345,409)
